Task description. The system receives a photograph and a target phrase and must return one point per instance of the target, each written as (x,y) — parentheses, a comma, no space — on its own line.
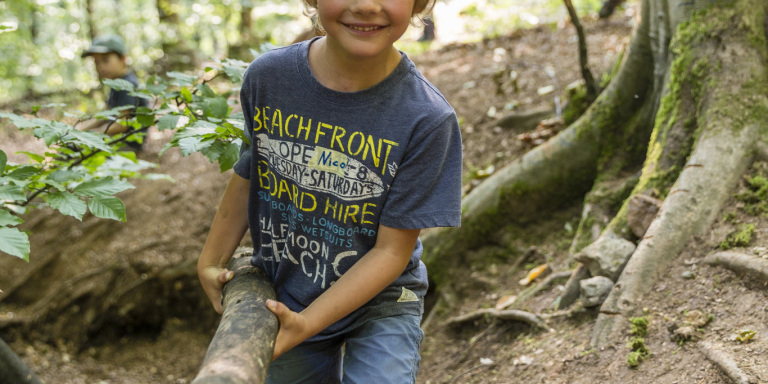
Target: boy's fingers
(225,276)
(278,308)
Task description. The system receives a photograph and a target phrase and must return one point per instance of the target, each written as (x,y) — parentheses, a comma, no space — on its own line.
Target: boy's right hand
(213,280)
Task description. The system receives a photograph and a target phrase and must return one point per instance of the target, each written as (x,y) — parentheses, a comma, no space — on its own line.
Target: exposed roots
(740,263)
(509,314)
(724,362)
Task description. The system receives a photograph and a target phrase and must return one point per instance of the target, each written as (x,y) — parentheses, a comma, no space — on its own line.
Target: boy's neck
(348,74)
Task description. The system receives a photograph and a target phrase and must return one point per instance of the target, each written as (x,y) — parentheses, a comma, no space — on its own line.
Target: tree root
(688,210)
(509,314)
(525,295)
(740,263)
(724,362)
(572,289)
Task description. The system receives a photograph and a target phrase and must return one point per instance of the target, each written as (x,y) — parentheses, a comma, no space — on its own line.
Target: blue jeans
(381,351)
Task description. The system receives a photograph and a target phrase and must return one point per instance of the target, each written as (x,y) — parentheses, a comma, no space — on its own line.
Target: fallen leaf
(486,361)
(534,273)
(505,301)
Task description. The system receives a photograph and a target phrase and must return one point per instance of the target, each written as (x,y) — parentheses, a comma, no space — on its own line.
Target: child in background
(109,55)
(352,151)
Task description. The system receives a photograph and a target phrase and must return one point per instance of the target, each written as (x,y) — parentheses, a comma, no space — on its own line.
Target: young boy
(109,55)
(352,151)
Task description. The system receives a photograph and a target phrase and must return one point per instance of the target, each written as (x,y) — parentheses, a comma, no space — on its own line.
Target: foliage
(81,171)
(638,328)
(738,238)
(41,41)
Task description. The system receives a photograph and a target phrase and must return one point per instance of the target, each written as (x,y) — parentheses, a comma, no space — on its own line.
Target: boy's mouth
(362,28)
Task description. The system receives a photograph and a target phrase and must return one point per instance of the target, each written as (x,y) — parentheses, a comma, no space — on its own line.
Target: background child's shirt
(327,167)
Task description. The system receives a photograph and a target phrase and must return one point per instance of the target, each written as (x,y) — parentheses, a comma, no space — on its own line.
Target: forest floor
(167,224)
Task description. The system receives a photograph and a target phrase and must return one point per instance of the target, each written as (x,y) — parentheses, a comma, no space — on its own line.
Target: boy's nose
(365,6)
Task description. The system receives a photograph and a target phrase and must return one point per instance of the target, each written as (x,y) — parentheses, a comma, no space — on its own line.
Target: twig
(563,313)
(724,362)
(589,80)
(509,314)
(541,286)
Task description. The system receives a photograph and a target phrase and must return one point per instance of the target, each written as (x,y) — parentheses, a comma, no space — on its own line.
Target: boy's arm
(227,230)
(370,275)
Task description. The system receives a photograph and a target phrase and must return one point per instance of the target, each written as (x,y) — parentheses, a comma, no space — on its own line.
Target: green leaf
(119,84)
(167,122)
(23,173)
(216,107)
(22,122)
(34,156)
(88,139)
(68,204)
(229,156)
(108,207)
(103,187)
(190,145)
(145,116)
(63,176)
(6,219)
(235,69)
(49,133)
(186,95)
(12,192)
(156,85)
(181,79)
(3,161)
(206,90)
(14,243)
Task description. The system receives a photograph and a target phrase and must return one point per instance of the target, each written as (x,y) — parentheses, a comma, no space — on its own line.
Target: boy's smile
(364,29)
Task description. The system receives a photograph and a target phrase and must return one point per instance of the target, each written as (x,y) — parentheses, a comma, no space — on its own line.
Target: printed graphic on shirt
(323,185)
(320,169)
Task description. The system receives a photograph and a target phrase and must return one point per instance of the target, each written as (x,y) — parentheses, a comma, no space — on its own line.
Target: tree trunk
(242,348)
(714,108)
(679,122)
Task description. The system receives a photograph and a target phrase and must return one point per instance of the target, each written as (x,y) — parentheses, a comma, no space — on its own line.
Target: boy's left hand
(294,328)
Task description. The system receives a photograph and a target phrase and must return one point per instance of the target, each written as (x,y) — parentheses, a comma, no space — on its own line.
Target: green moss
(738,238)
(578,102)
(638,328)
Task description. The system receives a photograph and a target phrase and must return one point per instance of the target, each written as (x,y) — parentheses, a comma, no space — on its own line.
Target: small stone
(641,210)
(595,290)
(687,275)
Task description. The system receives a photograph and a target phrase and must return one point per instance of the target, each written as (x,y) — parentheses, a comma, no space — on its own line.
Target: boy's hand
(213,280)
(294,328)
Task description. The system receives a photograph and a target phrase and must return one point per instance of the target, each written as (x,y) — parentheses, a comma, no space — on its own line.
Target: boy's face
(365,28)
(109,65)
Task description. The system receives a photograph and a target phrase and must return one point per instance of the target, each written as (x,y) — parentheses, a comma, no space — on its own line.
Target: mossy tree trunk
(679,122)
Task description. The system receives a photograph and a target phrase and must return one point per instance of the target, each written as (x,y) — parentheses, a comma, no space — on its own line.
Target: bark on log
(13,370)
(242,348)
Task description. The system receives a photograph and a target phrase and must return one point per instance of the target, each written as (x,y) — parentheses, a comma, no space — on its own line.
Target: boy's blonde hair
(421,8)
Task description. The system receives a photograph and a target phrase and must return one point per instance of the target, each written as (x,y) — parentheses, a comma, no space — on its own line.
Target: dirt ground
(167,224)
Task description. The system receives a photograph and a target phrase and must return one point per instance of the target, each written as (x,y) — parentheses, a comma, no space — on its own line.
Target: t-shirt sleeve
(243,165)
(426,190)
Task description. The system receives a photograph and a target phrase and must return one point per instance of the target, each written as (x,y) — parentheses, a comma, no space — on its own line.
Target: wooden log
(242,347)
(13,370)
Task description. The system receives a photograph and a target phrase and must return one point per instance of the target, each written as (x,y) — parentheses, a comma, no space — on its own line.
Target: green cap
(106,44)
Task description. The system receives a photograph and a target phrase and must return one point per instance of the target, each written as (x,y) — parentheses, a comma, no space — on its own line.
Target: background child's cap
(106,44)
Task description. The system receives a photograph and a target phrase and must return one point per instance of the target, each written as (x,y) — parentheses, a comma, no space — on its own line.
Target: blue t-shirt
(327,167)
(122,98)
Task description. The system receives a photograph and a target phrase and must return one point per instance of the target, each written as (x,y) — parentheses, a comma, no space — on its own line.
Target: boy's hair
(421,8)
